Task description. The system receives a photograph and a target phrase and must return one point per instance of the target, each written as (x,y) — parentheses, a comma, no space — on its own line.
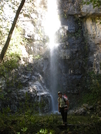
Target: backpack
(65,97)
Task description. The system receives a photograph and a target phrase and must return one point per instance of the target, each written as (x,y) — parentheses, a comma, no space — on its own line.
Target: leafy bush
(47,124)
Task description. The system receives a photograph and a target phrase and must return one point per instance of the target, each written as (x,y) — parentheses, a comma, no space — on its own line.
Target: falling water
(51,26)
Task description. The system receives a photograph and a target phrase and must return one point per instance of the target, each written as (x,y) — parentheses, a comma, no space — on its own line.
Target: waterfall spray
(52,24)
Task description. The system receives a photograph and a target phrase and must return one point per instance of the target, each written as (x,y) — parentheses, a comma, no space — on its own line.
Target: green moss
(92,92)
(89,98)
(95,3)
(37,57)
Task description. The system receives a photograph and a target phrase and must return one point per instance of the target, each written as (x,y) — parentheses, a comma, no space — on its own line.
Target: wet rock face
(92,32)
(88,9)
(32,94)
(70,50)
(79,51)
(70,7)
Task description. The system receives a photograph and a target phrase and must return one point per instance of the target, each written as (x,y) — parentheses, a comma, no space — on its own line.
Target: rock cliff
(78,52)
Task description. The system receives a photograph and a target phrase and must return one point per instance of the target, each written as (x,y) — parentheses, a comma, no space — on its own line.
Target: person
(63,105)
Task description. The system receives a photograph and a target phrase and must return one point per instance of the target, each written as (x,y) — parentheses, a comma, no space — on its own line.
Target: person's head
(60,94)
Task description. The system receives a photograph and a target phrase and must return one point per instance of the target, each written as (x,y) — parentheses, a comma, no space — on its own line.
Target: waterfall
(52,25)
(53,77)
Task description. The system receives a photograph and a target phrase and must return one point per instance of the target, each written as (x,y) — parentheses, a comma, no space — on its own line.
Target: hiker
(63,105)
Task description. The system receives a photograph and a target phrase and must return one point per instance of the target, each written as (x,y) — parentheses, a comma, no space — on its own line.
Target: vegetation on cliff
(96,3)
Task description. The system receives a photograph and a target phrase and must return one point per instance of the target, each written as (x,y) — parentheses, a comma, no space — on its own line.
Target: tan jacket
(63,102)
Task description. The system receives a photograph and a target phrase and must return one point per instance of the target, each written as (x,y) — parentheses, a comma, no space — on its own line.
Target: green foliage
(47,124)
(16,43)
(18,132)
(65,15)
(1,96)
(13,54)
(93,88)
(44,131)
(24,129)
(9,64)
(95,84)
(96,3)
(37,57)
(11,60)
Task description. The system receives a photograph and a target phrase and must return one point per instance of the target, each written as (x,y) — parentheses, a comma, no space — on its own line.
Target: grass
(46,124)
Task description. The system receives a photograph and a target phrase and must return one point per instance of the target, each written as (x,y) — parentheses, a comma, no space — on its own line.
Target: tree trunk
(11,31)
